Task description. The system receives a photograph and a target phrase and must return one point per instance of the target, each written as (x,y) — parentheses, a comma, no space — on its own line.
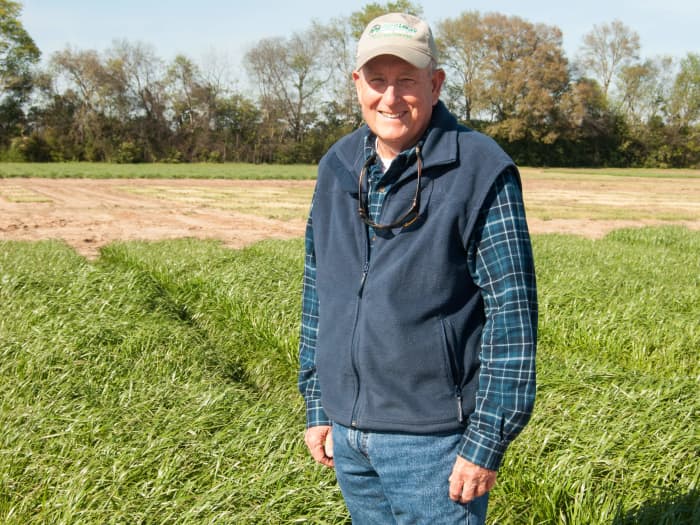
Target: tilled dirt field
(89,213)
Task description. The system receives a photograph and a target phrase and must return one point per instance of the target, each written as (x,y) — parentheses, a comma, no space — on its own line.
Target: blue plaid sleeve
(501,264)
(308,380)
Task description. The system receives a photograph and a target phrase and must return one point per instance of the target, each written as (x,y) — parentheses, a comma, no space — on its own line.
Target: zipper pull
(458,395)
(365,269)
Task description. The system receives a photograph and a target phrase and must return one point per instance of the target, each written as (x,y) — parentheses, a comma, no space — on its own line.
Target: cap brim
(415,58)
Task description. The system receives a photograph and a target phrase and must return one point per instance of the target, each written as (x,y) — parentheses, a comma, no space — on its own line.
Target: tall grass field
(157,385)
(156,170)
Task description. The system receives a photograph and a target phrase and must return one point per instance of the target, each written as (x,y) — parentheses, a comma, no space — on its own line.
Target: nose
(390,95)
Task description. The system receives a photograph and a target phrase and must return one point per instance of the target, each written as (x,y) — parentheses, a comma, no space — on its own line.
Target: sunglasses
(407,218)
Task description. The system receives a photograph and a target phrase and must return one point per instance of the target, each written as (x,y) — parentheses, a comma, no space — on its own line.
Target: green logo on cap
(393,29)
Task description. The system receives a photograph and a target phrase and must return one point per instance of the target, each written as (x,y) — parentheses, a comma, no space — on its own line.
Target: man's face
(397,100)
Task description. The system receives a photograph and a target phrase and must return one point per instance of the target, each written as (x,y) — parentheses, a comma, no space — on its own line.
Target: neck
(385,151)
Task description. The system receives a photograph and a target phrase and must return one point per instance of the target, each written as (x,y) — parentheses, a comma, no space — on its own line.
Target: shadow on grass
(670,508)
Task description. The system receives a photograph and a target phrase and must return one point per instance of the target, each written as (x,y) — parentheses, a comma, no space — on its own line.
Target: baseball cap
(399,34)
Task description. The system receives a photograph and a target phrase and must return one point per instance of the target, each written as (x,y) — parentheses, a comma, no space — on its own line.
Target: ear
(437,82)
(356,80)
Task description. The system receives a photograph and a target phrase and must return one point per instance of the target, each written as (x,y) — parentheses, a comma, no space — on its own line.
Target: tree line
(506,76)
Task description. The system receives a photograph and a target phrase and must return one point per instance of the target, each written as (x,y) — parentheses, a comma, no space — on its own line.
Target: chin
(391,134)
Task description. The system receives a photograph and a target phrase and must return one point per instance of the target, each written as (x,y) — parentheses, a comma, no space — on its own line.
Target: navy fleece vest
(400,331)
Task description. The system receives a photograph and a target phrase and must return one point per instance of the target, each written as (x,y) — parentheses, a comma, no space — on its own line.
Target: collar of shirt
(377,174)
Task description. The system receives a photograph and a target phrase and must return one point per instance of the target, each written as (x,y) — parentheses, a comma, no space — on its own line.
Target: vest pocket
(452,365)
(450,352)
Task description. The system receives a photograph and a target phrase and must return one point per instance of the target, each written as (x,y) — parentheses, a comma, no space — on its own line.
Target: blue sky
(200,27)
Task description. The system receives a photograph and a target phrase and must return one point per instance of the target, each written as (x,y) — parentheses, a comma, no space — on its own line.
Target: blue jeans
(388,477)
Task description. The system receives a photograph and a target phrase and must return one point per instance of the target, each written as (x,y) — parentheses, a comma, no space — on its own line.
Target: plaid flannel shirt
(500,263)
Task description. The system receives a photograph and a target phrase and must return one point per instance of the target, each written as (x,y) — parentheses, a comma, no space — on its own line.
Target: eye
(407,82)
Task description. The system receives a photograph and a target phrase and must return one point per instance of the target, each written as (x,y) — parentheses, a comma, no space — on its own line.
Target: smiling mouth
(391,116)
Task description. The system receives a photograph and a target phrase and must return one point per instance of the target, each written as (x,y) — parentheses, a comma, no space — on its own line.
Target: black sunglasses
(407,218)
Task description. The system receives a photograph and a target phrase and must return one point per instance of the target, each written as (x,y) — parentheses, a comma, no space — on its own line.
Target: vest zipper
(458,395)
(365,270)
(353,362)
(455,372)
(363,278)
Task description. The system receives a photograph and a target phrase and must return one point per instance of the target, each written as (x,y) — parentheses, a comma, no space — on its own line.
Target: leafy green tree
(291,76)
(117,102)
(360,19)
(464,54)
(594,133)
(191,102)
(136,88)
(684,103)
(341,110)
(18,53)
(643,89)
(526,75)
(237,121)
(681,141)
(83,81)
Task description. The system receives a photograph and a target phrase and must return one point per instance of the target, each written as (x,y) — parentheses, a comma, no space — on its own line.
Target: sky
(227,29)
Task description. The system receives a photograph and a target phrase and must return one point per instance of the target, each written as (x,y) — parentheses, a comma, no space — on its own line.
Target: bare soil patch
(88,214)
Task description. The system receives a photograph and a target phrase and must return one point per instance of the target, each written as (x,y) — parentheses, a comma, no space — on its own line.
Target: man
(417,351)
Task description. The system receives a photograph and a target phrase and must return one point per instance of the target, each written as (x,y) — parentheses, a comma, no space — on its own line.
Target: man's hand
(320,443)
(469,481)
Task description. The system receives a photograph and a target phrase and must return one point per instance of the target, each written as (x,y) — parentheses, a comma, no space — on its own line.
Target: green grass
(230,170)
(654,173)
(102,170)
(157,384)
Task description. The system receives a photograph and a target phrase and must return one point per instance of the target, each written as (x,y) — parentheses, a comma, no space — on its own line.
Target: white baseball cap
(399,34)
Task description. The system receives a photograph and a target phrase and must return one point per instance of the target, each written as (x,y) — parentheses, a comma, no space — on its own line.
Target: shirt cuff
(482,450)
(315,415)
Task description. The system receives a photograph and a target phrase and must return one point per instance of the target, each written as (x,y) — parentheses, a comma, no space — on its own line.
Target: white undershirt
(386,162)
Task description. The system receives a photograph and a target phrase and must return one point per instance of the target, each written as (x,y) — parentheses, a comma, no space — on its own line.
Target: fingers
(328,445)
(316,439)
(464,493)
(469,481)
